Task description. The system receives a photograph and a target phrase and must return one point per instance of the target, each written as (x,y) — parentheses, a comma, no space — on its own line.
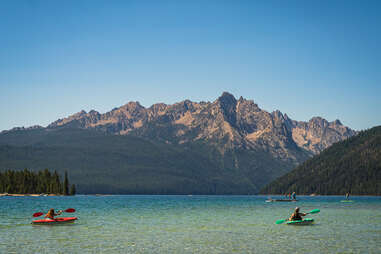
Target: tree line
(28,182)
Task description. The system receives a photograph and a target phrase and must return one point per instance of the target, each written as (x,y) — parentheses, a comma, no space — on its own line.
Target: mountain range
(227,146)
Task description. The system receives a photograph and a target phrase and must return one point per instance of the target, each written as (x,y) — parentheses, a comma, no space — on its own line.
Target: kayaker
(296,215)
(51,214)
(347,195)
(293,195)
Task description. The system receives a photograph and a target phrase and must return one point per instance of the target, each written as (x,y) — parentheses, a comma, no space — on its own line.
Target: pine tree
(56,184)
(72,190)
(66,185)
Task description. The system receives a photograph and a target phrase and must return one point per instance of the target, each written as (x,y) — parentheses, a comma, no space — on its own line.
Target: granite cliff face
(227,122)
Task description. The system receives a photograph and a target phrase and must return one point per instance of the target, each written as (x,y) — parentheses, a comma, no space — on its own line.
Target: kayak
(281,200)
(59,220)
(307,221)
(347,201)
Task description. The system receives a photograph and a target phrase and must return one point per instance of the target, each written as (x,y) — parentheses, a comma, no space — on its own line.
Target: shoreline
(190,195)
(28,195)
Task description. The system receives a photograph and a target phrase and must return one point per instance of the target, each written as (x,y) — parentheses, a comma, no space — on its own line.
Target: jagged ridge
(228,122)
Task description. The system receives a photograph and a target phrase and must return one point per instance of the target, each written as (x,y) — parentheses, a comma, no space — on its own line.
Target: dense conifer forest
(28,182)
(353,165)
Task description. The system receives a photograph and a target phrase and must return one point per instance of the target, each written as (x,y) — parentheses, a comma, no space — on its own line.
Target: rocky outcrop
(226,122)
(317,134)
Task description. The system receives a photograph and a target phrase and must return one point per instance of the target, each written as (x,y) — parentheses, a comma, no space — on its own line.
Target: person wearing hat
(296,215)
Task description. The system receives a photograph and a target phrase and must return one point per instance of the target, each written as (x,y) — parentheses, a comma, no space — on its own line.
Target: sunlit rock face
(226,122)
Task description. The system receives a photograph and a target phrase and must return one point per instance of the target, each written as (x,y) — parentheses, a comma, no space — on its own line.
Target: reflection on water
(190,224)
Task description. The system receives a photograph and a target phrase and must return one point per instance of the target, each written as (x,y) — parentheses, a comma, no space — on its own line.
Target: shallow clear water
(190,224)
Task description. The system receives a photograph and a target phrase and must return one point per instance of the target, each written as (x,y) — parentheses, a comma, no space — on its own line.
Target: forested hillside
(352,165)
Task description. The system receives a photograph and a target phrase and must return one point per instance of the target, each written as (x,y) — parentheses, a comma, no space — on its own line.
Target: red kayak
(59,220)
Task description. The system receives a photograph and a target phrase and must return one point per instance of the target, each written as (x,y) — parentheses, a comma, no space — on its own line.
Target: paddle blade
(70,210)
(279,221)
(314,211)
(37,214)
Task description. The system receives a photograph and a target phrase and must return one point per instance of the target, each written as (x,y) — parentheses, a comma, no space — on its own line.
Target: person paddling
(51,214)
(296,215)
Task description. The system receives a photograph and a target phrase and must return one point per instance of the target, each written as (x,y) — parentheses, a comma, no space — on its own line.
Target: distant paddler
(347,195)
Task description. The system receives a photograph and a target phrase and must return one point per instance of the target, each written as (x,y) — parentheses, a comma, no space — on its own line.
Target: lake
(190,224)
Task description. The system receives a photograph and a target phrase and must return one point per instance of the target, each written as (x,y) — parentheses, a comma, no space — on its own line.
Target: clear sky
(305,58)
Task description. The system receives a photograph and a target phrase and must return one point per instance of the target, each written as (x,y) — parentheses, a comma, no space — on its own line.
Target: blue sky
(305,58)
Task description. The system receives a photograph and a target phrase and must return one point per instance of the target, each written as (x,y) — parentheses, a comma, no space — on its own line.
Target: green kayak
(347,201)
(301,222)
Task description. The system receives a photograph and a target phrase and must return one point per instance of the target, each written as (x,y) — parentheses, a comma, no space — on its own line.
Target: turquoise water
(190,224)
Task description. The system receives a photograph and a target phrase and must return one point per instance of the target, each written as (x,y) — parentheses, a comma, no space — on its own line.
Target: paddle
(69,210)
(37,214)
(311,212)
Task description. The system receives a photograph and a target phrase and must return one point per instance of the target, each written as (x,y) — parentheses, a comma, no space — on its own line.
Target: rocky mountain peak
(184,105)
(227,99)
(228,103)
(318,121)
(132,106)
(277,114)
(93,112)
(337,122)
(157,108)
(79,114)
